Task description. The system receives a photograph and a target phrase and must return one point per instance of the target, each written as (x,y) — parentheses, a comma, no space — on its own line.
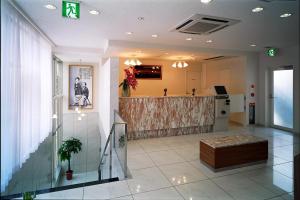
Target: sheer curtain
(26,91)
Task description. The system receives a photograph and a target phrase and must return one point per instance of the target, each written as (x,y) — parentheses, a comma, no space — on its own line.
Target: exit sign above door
(71,9)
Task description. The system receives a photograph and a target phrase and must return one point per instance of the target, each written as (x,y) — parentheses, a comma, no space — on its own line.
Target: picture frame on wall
(81,78)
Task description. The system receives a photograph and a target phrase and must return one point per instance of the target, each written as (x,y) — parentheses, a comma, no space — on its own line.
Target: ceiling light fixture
(206,1)
(257,9)
(141,18)
(129,33)
(180,64)
(253,45)
(154,35)
(132,62)
(94,12)
(209,41)
(285,15)
(188,39)
(50,6)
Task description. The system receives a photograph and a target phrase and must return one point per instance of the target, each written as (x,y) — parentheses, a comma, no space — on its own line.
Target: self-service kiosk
(222,109)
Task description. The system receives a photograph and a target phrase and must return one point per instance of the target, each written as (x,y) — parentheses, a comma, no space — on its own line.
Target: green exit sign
(272,52)
(71,9)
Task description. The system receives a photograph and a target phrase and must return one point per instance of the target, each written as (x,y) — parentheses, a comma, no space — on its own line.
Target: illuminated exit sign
(71,9)
(272,52)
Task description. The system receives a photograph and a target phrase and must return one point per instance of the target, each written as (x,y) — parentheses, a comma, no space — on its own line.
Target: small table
(226,151)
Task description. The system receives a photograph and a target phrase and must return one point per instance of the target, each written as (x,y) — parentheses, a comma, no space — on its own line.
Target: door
(193,82)
(281,97)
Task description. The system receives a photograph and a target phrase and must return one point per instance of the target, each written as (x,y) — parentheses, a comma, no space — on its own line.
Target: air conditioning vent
(215,58)
(204,24)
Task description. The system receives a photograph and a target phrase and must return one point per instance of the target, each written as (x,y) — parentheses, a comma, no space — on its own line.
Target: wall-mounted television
(148,71)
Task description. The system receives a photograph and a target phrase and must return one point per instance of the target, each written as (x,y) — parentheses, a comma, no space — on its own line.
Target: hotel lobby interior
(150,99)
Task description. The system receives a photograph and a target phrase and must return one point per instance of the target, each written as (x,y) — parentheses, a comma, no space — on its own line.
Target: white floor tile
(181,173)
(202,190)
(188,153)
(209,172)
(139,161)
(123,198)
(165,157)
(106,191)
(272,180)
(152,145)
(134,148)
(161,194)
(146,180)
(241,187)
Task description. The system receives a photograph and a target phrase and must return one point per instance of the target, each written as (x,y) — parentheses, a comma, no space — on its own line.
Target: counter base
(169,132)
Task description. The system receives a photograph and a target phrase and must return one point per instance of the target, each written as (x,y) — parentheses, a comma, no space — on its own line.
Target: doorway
(282,98)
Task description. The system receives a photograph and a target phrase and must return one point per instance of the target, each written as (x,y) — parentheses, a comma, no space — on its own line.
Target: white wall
(66,87)
(173,79)
(230,72)
(286,56)
(108,76)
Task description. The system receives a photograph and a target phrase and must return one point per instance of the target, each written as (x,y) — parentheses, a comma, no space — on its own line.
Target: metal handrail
(109,140)
(103,154)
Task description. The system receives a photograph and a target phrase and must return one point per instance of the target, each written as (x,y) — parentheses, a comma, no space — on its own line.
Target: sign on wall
(80,86)
(71,9)
(272,52)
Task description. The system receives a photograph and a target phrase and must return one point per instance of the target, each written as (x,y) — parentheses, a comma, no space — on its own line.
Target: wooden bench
(225,151)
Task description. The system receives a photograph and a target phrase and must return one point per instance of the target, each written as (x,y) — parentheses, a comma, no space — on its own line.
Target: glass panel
(283,98)
(120,144)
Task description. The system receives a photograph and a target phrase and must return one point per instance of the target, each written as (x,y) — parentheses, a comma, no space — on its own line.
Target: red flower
(130,77)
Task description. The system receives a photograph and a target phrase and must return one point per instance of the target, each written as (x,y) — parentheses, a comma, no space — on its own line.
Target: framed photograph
(81,86)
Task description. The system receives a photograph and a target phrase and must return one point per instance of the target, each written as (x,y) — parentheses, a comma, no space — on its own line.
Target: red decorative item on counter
(129,81)
(130,77)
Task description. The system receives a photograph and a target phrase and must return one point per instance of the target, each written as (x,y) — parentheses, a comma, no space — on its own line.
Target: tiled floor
(169,168)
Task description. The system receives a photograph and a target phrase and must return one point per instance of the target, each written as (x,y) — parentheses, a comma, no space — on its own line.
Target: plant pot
(126,92)
(69,174)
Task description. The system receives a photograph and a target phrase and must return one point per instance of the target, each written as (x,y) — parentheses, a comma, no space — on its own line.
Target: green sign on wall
(71,9)
(272,52)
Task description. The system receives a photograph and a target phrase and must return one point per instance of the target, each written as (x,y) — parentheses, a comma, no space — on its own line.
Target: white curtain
(26,91)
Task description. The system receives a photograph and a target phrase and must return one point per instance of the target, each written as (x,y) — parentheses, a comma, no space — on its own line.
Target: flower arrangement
(129,81)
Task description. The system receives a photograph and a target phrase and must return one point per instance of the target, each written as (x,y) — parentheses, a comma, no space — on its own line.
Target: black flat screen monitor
(220,90)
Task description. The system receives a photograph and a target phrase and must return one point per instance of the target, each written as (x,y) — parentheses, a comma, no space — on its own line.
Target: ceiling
(160,54)
(160,16)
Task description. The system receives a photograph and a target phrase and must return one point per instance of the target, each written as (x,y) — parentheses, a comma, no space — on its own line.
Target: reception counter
(167,116)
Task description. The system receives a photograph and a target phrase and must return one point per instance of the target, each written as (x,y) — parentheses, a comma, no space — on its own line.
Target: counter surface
(165,113)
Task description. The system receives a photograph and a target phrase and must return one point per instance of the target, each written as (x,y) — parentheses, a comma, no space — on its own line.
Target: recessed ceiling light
(154,35)
(206,1)
(129,33)
(257,9)
(188,39)
(285,15)
(253,45)
(209,41)
(50,6)
(141,18)
(94,12)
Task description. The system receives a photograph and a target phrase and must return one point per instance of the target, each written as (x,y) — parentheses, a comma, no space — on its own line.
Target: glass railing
(43,170)
(113,161)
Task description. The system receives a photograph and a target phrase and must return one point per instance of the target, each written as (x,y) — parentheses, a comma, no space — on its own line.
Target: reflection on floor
(169,168)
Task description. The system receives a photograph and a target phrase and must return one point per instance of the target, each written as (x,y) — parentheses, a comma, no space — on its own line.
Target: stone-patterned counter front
(166,116)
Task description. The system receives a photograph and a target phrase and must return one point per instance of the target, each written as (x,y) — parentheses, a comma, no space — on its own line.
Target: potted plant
(65,151)
(28,196)
(129,81)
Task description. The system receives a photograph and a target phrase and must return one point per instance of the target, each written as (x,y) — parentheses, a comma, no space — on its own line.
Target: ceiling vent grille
(204,24)
(215,58)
